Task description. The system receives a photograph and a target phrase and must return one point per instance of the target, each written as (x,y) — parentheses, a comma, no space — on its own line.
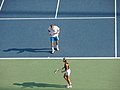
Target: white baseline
(61,18)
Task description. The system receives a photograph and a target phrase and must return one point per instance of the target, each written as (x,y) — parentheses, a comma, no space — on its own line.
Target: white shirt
(53,31)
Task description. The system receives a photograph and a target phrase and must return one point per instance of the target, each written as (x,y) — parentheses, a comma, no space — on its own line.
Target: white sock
(52,48)
(57,46)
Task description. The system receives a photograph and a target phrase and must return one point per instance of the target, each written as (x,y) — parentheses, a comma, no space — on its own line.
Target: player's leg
(68,78)
(65,77)
(68,81)
(70,84)
(57,43)
(52,44)
(57,47)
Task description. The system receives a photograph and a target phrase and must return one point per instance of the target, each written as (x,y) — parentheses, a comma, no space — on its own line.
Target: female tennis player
(54,33)
(67,72)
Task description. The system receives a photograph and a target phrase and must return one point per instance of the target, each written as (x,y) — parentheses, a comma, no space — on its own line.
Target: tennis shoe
(70,86)
(67,86)
(53,51)
(57,49)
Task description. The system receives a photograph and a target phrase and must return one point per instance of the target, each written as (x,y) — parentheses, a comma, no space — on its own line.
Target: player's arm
(66,68)
(49,28)
(58,30)
(63,68)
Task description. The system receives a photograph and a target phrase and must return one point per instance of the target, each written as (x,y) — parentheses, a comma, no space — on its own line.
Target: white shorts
(68,72)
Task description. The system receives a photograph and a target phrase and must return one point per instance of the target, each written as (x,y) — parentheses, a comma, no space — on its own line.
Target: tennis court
(87,74)
(89,39)
(87,30)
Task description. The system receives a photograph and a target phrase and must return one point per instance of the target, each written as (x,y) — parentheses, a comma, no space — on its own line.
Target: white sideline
(1,5)
(116,28)
(56,14)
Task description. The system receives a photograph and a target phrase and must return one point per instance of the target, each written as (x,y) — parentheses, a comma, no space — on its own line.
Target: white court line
(86,18)
(1,5)
(56,14)
(61,18)
(60,58)
(115,28)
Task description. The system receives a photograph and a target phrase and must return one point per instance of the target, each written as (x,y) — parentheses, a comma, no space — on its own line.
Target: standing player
(54,33)
(67,72)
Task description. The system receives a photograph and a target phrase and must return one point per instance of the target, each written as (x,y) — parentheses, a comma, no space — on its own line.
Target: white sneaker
(53,51)
(57,49)
(67,86)
(70,86)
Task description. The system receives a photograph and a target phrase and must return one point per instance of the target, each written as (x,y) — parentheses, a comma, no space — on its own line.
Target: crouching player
(54,33)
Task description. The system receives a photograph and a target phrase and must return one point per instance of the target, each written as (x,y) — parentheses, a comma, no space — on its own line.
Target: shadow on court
(47,50)
(34,84)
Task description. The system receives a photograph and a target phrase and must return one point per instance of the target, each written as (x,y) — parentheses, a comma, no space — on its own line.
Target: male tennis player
(54,33)
(67,72)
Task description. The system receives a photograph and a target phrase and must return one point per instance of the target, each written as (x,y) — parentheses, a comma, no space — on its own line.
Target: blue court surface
(118,24)
(87,28)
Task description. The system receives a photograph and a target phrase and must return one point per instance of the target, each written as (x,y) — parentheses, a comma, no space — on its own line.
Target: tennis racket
(57,70)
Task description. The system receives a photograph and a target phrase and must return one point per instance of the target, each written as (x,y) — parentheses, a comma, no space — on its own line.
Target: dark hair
(51,25)
(64,59)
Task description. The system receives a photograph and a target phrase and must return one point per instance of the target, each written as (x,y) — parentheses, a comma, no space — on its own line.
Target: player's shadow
(21,50)
(34,84)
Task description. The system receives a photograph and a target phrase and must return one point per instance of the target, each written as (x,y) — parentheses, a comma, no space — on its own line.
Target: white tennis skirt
(68,72)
